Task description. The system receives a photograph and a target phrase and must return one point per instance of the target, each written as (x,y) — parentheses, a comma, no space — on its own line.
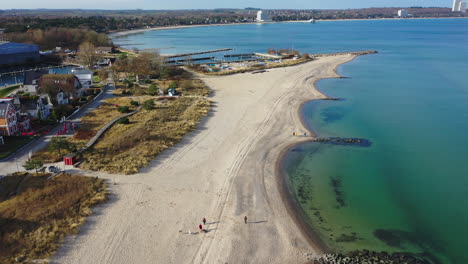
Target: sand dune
(223,171)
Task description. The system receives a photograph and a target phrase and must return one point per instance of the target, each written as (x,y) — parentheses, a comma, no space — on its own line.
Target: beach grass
(36,214)
(125,148)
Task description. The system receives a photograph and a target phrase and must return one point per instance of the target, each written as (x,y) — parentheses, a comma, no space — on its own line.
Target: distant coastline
(142,30)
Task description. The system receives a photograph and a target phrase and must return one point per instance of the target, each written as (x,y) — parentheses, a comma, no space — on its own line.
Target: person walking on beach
(200,227)
(204,220)
(245,219)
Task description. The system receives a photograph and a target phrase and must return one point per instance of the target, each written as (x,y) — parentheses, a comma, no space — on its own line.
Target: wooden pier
(196,53)
(192,59)
(239,55)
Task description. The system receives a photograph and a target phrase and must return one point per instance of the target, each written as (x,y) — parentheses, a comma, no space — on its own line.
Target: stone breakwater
(369,257)
(357,53)
(344,141)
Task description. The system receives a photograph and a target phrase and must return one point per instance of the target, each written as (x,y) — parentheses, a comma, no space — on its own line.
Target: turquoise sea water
(408,190)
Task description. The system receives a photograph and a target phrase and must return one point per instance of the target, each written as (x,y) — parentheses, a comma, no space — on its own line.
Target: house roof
(8,48)
(30,76)
(109,49)
(65,82)
(59,76)
(80,72)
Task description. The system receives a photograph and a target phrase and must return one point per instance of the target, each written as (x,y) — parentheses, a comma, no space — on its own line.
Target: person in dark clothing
(245,219)
(204,220)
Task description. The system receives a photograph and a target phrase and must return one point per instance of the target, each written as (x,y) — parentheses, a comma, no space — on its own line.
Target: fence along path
(92,141)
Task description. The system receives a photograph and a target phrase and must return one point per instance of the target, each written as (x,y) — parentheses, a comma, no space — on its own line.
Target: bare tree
(87,54)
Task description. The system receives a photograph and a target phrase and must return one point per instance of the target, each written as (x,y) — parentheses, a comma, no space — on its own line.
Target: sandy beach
(225,170)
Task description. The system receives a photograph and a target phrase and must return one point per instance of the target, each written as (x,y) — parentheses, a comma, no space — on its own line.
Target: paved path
(15,162)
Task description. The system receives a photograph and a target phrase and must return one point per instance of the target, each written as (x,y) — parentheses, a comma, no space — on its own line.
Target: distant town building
(403,13)
(18,53)
(2,34)
(262,16)
(104,50)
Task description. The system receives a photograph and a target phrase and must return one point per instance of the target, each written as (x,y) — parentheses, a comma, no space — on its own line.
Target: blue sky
(210,4)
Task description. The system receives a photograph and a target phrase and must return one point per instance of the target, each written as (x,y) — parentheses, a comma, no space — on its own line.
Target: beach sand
(225,170)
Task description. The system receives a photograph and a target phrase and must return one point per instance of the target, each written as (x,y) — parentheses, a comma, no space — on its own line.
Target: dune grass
(35,220)
(127,147)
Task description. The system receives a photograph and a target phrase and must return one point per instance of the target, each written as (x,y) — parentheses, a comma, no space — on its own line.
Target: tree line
(69,38)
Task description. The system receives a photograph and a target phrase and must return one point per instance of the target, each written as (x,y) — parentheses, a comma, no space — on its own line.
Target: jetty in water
(192,59)
(196,53)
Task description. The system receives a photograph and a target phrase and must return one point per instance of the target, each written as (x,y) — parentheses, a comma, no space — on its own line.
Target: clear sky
(210,4)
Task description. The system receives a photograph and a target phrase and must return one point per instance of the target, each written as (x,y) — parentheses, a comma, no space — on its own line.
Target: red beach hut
(69,159)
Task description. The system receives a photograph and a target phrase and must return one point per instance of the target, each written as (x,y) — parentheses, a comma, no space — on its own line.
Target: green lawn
(13,143)
(96,79)
(6,91)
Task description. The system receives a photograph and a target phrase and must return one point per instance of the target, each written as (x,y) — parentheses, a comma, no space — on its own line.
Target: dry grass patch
(126,148)
(95,120)
(188,87)
(34,221)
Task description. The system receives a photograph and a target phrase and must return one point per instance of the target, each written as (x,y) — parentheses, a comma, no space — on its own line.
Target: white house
(62,98)
(31,81)
(39,108)
(84,76)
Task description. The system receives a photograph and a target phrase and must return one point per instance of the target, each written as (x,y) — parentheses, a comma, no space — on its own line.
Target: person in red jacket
(200,227)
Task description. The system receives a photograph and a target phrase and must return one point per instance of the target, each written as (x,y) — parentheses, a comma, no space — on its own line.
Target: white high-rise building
(463,7)
(456,5)
(403,13)
(459,6)
(263,16)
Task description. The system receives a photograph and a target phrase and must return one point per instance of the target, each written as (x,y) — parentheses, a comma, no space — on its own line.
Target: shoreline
(294,209)
(225,170)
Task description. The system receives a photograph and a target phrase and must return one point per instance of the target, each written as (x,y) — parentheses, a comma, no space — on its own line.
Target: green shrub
(123,121)
(148,104)
(152,90)
(123,109)
(174,85)
(134,103)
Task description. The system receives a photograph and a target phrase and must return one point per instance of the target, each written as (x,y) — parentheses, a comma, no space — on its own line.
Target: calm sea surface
(408,190)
